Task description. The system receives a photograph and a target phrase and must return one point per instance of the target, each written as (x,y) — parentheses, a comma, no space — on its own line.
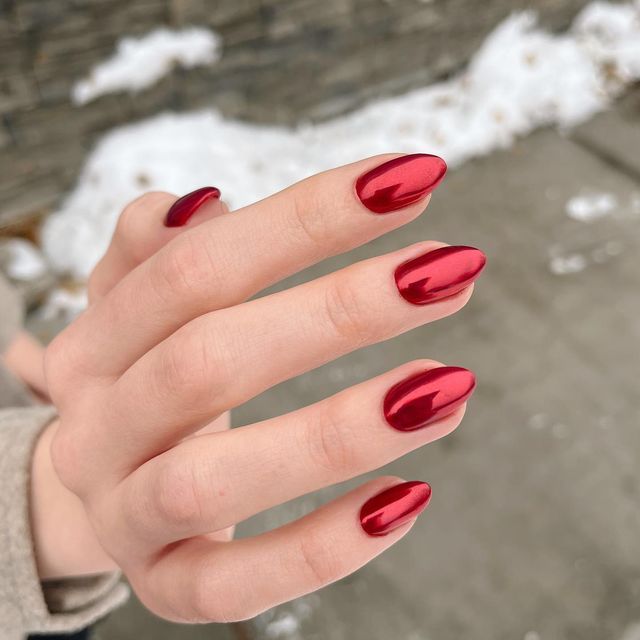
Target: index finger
(224,261)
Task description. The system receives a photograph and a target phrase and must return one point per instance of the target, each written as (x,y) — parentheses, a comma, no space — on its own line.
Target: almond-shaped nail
(394,507)
(439,273)
(426,397)
(183,208)
(400,182)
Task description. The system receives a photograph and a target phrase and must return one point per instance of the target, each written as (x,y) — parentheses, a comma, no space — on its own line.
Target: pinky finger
(204,581)
(145,226)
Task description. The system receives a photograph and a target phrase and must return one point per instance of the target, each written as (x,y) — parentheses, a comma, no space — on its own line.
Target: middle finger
(226,357)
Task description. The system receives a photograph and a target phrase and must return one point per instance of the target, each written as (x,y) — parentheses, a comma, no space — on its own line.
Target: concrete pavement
(534,529)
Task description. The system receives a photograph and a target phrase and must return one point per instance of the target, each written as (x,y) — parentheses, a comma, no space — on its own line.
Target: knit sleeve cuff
(26,604)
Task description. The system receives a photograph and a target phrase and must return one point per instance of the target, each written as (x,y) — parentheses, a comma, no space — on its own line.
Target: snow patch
(521,78)
(139,63)
(64,303)
(564,262)
(282,627)
(563,265)
(25,260)
(590,207)
(285,621)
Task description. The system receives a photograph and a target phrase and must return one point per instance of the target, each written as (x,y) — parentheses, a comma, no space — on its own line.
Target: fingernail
(394,507)
(182,209)
(400,182)
(439,273)
(426,397)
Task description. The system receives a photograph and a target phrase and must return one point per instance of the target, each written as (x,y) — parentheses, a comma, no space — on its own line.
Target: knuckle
(186,270)
(309,219)
(319,561)
(327,446)
(346,315)
(192,369)
(185,366)
(213,601)
(176,498)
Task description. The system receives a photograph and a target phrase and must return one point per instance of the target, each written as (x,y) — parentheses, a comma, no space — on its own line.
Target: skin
(25,358)
(140,470)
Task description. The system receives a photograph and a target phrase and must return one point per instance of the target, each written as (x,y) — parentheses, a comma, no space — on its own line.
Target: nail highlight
(394,507)
(182,209)
(426,397)
(439,273)
(400,182)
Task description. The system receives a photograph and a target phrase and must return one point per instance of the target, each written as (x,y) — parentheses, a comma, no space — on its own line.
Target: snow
(285,621)
(139,63)
(64,303)
(611,33)
(564,265)
(282,627)
(25,260)
(521,78)
(591,206)
(563,262)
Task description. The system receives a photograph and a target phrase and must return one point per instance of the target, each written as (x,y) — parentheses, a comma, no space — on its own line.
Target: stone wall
(283,60)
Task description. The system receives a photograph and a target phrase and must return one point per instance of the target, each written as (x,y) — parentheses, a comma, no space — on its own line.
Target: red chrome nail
(400,182)
(182,209)
(427,396)
(439,274)
(394,507)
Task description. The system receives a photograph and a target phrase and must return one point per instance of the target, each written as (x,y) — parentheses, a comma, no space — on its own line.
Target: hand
(64,540)
(141,375)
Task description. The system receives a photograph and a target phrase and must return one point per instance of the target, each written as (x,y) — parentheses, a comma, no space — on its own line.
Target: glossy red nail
(400,182)
(426,397)
(394,507)
(439,274)
(182,209)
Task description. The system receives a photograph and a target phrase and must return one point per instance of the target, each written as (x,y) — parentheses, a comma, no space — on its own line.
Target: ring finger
(214,481)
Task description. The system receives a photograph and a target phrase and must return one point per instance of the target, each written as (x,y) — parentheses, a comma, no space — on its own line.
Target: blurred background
(534,529)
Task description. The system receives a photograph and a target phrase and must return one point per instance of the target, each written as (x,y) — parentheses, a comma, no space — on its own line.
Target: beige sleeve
(11,313)
(26,604)
(12,392)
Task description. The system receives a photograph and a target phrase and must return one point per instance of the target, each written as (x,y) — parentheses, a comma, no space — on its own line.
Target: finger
(202,581)
(142,230)
(222,359)
(144,227)
(225,261)
(210,482)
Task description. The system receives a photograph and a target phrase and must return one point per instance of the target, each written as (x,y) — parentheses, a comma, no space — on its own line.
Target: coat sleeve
(26,604)
(12,392)
(11,313)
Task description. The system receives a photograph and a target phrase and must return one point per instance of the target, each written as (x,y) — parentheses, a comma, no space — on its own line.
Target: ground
(534,529)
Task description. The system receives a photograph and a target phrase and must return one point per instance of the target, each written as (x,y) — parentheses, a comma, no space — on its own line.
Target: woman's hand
(142,375)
